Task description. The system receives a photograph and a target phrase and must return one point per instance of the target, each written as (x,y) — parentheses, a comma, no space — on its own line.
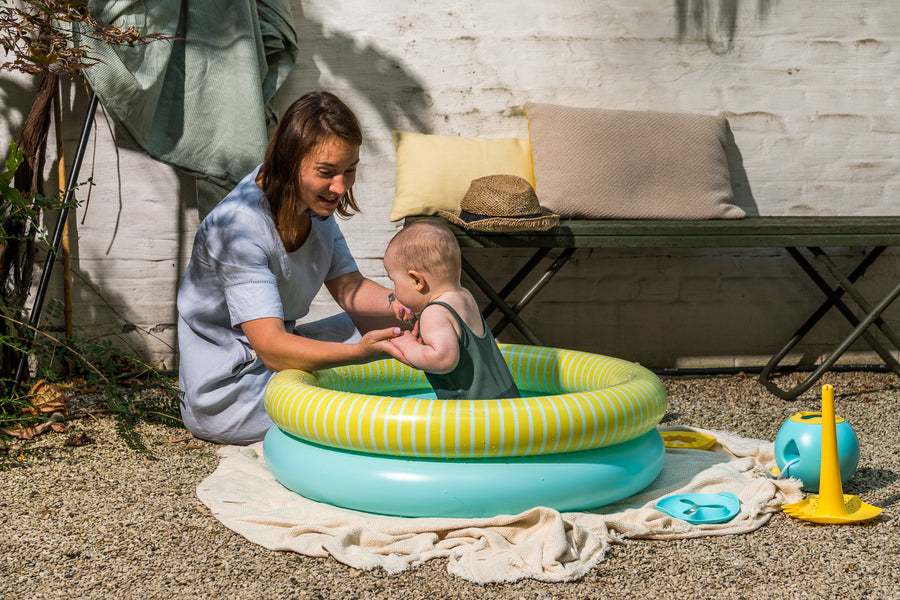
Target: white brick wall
(809,88)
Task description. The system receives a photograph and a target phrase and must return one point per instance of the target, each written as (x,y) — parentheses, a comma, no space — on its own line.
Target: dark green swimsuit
(481,373)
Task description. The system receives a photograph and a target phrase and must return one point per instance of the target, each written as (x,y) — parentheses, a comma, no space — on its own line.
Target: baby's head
(428,247)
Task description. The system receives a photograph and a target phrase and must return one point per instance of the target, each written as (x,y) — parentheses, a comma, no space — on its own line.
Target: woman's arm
(281,350)
(368,303)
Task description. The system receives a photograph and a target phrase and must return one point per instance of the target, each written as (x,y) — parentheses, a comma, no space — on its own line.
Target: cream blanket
(540,543)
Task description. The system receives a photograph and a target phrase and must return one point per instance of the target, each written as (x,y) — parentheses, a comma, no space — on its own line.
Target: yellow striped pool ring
(589,401)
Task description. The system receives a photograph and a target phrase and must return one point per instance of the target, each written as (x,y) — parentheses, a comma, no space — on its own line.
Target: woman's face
(327,174)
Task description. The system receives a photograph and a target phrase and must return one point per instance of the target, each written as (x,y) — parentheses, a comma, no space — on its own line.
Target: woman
(259,259)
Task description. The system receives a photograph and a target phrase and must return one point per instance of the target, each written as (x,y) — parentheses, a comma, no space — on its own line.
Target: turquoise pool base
(485,487)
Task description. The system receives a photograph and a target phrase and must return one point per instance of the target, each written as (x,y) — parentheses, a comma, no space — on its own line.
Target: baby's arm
(437,348)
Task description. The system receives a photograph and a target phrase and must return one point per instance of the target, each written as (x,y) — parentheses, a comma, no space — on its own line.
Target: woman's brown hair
(313,119)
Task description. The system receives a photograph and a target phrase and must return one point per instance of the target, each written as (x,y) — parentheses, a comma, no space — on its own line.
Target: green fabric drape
(200,102)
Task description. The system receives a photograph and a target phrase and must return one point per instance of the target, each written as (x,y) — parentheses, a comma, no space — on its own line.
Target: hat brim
(504,224)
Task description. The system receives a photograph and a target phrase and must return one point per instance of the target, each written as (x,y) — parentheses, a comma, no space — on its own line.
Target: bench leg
(495,298)
(833,295)
(846,284)
(513,283)
(552,270)
(498,300)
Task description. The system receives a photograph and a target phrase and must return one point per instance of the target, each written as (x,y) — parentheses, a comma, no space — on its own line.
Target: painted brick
(808,88)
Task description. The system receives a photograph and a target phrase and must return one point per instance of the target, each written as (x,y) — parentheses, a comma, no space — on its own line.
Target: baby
(451,342)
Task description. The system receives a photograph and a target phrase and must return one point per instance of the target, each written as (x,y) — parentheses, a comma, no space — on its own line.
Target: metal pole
(57,238)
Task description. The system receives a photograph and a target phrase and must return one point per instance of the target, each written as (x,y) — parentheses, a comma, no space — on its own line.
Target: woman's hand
(378,343)
(369,304)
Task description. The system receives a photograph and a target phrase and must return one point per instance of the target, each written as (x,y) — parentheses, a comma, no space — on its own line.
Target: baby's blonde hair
(428,246)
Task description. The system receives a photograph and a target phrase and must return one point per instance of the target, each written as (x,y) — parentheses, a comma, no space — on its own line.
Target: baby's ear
(418,279)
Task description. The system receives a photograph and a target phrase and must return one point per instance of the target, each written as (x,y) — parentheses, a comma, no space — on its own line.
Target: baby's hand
(405,341)
(406,345)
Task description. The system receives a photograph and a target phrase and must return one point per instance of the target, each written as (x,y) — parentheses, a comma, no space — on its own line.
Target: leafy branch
(39,35)
(19,215)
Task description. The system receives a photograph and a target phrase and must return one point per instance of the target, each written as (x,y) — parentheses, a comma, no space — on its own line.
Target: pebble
(101,520)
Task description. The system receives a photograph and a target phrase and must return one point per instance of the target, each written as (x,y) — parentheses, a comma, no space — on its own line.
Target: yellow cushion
(434,171)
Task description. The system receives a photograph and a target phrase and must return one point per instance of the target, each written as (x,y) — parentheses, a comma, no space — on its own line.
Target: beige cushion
(434,171)
(618,164)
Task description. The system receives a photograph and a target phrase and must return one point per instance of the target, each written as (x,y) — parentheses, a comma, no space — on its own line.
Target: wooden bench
(799,236)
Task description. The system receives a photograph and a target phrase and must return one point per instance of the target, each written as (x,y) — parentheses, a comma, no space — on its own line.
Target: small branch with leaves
(49,35)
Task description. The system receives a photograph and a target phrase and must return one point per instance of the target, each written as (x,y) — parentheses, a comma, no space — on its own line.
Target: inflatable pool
(373,438)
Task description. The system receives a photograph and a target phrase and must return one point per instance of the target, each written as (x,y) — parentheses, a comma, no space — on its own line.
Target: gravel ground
(103,521)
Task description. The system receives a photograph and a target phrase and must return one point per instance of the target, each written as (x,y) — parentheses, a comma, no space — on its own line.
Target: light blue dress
(240,271)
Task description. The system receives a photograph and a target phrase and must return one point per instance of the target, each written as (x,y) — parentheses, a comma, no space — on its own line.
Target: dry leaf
(23,433)
(46,398)
(79,439)
(26,433)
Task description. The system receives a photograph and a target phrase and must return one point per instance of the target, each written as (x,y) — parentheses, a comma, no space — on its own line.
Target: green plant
(20,231)
(50,39)
(133,389)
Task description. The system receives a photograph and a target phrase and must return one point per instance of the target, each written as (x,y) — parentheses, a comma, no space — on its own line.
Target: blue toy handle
(786,471)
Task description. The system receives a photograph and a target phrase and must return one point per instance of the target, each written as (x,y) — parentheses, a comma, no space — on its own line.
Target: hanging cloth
(201,102)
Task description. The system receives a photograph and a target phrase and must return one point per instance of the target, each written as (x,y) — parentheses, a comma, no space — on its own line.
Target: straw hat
(501,203)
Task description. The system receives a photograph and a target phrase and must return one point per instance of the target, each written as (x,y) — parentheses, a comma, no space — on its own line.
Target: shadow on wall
(16,94)
(740,183)
(398,96)
(101,312)
(714,21)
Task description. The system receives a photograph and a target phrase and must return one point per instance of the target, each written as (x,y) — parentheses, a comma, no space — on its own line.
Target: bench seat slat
(749,232)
